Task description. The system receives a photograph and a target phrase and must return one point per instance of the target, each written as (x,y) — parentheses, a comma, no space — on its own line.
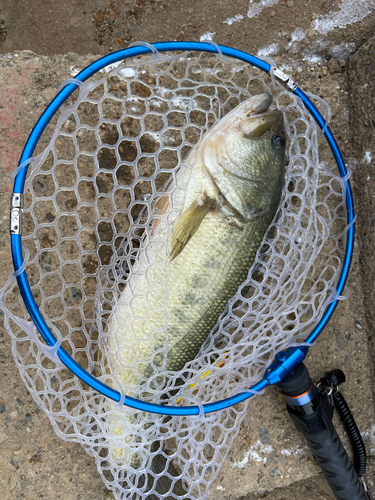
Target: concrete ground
(328,48)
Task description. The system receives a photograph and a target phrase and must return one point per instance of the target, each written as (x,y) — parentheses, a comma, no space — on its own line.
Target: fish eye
(278,141)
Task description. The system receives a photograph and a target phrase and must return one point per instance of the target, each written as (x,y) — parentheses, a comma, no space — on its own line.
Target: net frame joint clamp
(285,362)
(16,213)
(284,79)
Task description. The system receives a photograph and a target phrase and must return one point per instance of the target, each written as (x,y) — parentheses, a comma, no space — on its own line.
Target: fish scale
(198,298)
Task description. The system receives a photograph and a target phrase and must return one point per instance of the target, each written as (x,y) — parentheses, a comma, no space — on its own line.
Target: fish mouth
(259,104)
(259,118)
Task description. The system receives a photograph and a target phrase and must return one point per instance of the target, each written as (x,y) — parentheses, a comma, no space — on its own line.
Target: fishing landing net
(91,202)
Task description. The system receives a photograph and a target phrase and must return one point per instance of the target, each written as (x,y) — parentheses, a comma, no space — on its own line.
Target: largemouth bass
(232,195)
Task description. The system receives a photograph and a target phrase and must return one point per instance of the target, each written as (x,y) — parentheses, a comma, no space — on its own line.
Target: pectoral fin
(188,224)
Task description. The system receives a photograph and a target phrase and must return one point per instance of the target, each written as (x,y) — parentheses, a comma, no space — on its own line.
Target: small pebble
(333,66)
(48,94)
(310,33)
(274,472)
(358,325)
(14,463)
(264,435)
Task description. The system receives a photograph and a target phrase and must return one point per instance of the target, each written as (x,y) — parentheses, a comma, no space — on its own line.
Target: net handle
(16,239)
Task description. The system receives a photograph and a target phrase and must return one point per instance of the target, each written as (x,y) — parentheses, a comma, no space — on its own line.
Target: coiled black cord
(351,428)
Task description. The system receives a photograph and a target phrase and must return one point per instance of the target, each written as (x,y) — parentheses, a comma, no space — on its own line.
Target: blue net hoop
(285,361)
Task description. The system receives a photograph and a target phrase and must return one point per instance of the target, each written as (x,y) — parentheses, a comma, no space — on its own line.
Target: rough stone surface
(362,123)
(331,28)
(269,459)
(49,28)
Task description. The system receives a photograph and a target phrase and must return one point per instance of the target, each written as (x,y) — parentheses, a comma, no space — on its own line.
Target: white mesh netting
(91,204)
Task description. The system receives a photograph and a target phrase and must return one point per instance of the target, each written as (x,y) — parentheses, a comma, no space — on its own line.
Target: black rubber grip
(338,469)
(330,454)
